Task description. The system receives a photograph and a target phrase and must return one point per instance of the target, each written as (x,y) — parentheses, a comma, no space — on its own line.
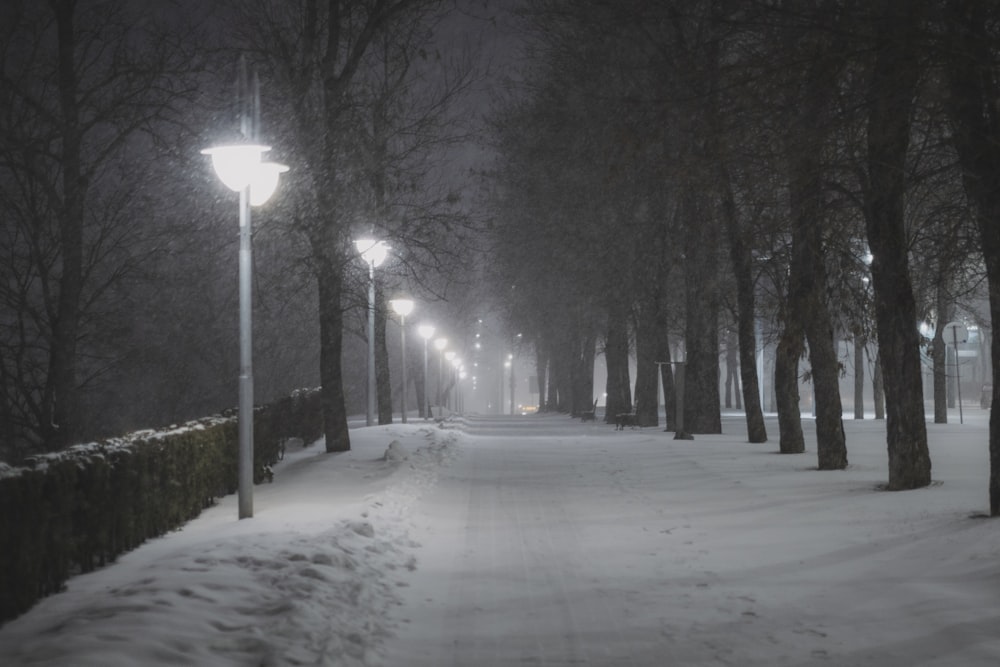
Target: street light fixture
(402,307)
(439,345)
(239,167)
(374,253)
(426,331)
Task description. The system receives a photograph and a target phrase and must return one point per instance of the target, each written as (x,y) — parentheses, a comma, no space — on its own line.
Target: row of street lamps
(240,166)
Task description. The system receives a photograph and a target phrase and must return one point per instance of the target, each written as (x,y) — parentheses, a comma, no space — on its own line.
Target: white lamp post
(240,168)
(426,331)
(374,253)
(402,307)
(439,345)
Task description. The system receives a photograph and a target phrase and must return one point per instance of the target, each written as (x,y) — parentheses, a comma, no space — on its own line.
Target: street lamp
(374,253)
(439,345)
(425,331)
(239,167)
(402,307)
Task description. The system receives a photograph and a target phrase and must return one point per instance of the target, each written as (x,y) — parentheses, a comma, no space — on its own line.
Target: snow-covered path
(546,541)
(550,542)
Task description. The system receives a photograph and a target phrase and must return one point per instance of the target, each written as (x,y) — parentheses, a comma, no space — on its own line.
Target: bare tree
(84,87)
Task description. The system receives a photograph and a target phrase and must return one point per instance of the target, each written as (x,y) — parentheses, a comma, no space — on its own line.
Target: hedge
(73,511)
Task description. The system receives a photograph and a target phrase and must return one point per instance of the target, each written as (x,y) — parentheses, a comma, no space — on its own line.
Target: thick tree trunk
(583,364)
(647,383)
(732,361)
(878,388)
(618,388)
(742,262)
(859,375)
(702,408)
(786,390)
(331,339)
(972,105)
(892,90)
(541,369)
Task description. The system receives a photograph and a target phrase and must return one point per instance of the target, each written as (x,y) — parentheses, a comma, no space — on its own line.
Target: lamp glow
(236,164)
(402,307)
(372,251)
(264,181)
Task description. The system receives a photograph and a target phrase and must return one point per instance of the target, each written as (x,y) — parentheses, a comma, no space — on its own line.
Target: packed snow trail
(546,541)
(551,542)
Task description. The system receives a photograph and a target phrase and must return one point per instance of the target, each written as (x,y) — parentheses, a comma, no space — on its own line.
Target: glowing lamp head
(425,331)
(236,164)
(402,307)
(440,344)
(264,181)
(373,252)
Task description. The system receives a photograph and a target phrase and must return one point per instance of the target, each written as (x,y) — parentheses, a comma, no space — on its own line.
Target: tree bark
(741,258)
(331,338)
(859,375)
(647,389)
(618,387)
(541,369)
(702,408)
(939,356)
(893,85)
(973,92)
(786,389)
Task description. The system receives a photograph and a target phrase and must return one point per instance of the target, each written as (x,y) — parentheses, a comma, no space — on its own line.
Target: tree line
(118,304)
(686,167)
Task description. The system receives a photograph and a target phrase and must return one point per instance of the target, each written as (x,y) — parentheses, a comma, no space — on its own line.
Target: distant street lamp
(439,345)
(240,168)
(426,331)
(374,253)
(402,307)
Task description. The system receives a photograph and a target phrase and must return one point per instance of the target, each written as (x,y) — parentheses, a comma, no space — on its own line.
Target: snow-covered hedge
(75,510)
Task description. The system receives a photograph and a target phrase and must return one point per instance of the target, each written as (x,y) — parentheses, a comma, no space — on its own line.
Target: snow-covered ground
(542,540)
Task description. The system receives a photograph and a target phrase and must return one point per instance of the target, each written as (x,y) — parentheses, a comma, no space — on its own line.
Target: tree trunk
(647,384)
(742,261)
(878,388)
(618,387)
(973,93)
(702,409)
(666,369)
(786,389)
(892,90)
(331,339)
(731,362)
(939,356)
(583,388)
(541,366)
(859,375)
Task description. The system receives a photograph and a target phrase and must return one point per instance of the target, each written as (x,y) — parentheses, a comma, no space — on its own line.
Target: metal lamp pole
(239,166)
(374,253)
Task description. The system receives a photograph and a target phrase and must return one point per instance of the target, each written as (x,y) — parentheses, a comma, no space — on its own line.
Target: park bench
(588,416)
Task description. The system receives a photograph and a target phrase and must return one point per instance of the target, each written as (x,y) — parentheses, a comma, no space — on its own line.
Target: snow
(544,540)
